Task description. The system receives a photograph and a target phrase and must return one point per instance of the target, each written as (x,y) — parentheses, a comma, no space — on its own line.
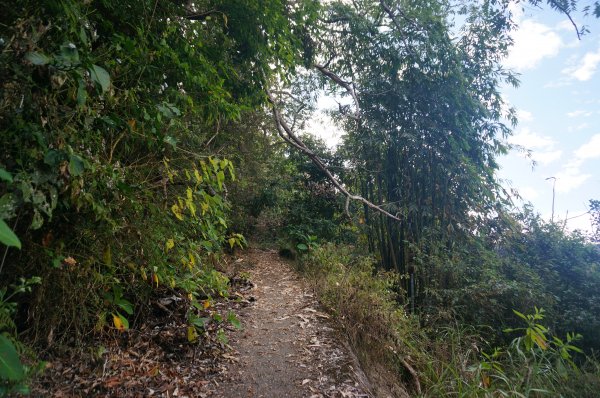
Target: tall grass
(404,358)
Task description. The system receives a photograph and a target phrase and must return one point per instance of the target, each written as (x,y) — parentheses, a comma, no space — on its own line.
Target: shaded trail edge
(288,346)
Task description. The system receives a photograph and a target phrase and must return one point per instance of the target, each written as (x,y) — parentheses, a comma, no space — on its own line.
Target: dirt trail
(288,347)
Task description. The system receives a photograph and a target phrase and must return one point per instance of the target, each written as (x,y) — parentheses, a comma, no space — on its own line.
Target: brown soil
(288,346)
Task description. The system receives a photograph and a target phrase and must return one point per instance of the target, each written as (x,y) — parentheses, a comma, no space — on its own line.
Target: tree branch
(347,86)
(558,6)
(287,134)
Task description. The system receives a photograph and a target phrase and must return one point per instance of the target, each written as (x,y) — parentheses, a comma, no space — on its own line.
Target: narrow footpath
(288,347)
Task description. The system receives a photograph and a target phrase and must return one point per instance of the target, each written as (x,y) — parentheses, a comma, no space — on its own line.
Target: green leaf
(10,365)
(302,247)
(5,175)
(76,165)
(53,157)
(520,315)
(231,318)
(100,75)
(68,54)
(220,179)
(81,93)
(171,141)
(125,305)
(199,322)
(37,58)
(7,236)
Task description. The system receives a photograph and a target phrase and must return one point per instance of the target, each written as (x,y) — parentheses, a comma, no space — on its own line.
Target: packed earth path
(288,346)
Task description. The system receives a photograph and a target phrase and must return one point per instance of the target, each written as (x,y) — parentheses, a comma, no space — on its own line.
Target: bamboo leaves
(7,236)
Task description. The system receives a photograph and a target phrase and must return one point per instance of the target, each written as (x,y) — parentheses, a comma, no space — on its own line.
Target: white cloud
(531,140)
(524,116)
(564,25)
(558,83)
(528,193)
(581,126)
(545,158)
(578,113)
(543,148)
(533,42)
(585,68)
(590,149)
(571,176)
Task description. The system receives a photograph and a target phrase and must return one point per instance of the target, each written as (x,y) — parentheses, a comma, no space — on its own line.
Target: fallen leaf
(70,261)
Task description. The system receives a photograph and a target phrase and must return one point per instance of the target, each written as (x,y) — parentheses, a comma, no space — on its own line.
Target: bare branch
(347,86)
(287,134)
(390,13)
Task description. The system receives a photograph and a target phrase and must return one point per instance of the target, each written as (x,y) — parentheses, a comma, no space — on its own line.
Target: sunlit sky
(558,103)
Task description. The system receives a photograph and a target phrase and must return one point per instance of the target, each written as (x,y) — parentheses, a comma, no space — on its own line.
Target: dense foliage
(112,180)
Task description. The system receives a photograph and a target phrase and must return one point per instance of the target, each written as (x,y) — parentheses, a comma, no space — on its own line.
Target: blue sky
(558,103)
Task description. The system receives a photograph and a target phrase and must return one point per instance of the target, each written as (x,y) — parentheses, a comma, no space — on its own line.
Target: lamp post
(553,195)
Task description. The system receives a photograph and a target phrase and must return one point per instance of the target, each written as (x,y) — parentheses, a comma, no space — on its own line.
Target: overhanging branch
(347,86)
(288,135)
(565,11)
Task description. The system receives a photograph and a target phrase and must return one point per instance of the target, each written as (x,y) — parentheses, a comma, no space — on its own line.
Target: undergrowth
(451,359)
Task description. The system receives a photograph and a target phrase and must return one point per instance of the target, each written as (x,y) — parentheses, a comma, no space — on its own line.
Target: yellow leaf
(189,193)
(540,341)
(192,208)
(192,335)
(214,163)
(144,276)
(131,123)
(107,256)
(206,304)
(177,211)
(155,279)
(198,176)
(154,371)
(118,323)
(170,244)
(190,296)
(486,380)
(172,283)
(231,242)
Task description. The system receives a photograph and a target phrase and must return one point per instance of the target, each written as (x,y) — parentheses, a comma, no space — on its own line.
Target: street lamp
(553,195)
